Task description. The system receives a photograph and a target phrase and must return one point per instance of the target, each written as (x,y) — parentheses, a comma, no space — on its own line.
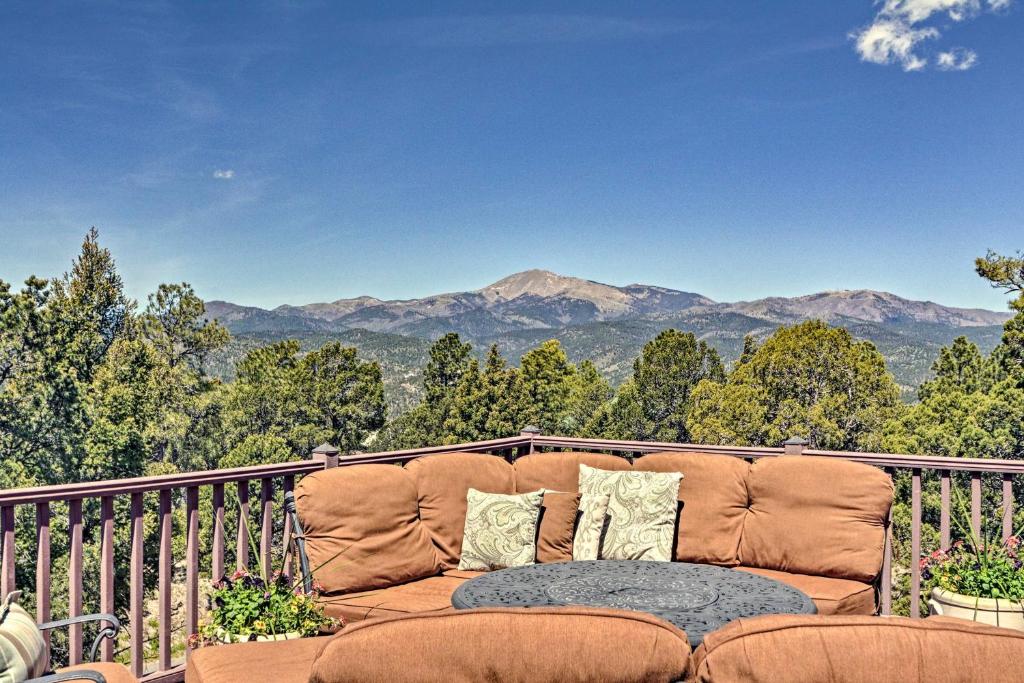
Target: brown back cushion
(714,496)
(557,524)
(442,482)
(816,515)
(854,649)
(535,645)
(561,471)
(368,514)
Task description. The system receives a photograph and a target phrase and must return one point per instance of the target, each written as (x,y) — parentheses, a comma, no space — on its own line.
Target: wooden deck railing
(168,490)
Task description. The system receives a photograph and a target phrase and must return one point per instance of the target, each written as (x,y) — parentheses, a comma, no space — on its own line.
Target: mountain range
(605,323)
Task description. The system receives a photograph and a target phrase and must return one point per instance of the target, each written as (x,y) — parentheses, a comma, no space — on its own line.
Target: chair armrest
(109,631)
(82,675)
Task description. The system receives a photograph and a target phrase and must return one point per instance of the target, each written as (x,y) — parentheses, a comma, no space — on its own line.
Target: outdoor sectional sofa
(587,645)
(385,540)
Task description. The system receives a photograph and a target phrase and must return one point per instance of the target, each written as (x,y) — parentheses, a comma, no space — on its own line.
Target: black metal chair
(109,631)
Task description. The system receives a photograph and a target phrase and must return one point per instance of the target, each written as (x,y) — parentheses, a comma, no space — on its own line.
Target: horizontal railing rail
(178,502)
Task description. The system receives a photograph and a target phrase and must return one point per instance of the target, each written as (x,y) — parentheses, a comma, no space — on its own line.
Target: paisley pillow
(22,649)
(642,509)
(500,530)
(593,512)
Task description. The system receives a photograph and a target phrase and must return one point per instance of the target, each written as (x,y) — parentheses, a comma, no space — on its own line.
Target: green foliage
(548,377)
(808,380)
(327,395)
(978,565)
(1007,273)
(449,360)
(245,606)
(91,389)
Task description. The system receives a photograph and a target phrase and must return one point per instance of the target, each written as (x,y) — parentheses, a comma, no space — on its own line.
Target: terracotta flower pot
(1004,613)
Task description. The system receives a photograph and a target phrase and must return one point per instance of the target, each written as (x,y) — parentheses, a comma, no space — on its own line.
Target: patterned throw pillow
(500,531)
(22,649)
(642,510)
(593,511)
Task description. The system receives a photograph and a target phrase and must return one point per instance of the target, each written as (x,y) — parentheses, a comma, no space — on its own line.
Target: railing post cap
(530,429)
(325,449)
(795,441)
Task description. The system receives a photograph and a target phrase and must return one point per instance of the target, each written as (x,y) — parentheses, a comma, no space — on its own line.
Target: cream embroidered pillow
(641,512)
(593,511)
(500,531)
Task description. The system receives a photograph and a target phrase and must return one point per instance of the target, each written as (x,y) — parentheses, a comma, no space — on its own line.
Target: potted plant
(980,579)
(247,606)
(263,606)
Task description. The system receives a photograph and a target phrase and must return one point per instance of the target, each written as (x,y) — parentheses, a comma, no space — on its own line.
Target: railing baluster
(944,510)
(7,549)
(165,580)
(136,615)
(43,612)
(1007,506)
(976,503)
(266,524)
(107,569)
(915,543)
(75,580)
(217,561)
(242,542)
(191,561)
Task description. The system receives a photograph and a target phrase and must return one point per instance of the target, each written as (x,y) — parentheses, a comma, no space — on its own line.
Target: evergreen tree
(1007,273)
(808,380)
(548,378)
(657,402)
(449,359)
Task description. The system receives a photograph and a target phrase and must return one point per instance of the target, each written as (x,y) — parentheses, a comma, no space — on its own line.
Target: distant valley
(604,323)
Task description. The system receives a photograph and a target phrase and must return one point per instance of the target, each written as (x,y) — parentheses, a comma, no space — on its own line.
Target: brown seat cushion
(557,524)
(816,515)
(431,594)
(285,661)
(562,644)
(830,596)
(111,671)
(561,471)
(369,514)
(442,482)
(855,649)
(714,496)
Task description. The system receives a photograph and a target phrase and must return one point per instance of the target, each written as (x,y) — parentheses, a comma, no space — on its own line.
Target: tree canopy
(809,380)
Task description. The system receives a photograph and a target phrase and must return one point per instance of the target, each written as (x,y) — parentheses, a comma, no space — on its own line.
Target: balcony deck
(195,507)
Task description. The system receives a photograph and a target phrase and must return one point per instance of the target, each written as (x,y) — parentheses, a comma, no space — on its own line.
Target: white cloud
(896,34)
(957,59)
(224,174)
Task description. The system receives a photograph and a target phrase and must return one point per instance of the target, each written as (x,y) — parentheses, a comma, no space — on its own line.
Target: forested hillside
(96,386)
(601,323)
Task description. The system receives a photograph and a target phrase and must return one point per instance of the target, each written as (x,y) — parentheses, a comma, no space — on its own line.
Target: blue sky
(296,152)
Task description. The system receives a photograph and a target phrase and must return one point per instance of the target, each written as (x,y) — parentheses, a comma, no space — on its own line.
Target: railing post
(794,445)
(327,454)
(530,431)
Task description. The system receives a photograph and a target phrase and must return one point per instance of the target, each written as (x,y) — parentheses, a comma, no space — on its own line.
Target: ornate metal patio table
(697,598)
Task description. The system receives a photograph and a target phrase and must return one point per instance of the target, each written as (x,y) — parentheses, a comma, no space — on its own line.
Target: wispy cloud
(957,59)
(517,29)
(901,27)
(224,174)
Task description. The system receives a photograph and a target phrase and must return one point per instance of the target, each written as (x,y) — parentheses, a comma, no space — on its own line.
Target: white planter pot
(1003,613)
(226,637)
